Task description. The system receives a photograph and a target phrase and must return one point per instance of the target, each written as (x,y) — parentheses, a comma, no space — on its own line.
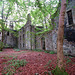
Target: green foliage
(39,10)
(13,65)
(17,49)
(73,6)
(48,63)
(47,73)
(0,51)
(38,50)
(46,51)
(52,52)
(6,45)
(46,11)
(68,60)
(70,57)
(1,45)
(57,71)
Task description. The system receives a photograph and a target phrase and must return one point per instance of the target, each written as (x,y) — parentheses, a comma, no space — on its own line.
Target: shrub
(57,71)
(52,52)
(46,51)
(68,60)
(16,49)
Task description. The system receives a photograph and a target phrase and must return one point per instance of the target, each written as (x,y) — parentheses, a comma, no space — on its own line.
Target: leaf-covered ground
(37,62)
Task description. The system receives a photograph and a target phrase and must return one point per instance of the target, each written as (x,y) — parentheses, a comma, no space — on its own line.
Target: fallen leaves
(36,62)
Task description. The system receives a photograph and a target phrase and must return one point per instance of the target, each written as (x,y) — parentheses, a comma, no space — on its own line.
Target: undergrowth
(57,71)
(16,49)
(50,52)
(68,61)
(38,50)
(12,65)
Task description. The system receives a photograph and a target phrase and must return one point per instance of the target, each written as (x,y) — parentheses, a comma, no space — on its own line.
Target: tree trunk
(2,24)
(60,38)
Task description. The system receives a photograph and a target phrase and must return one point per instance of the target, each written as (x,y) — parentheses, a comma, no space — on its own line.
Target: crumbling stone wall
(26,39)
(48,41)
(69,31)
(38,42)
(9,39)
(0,36)
(33,41)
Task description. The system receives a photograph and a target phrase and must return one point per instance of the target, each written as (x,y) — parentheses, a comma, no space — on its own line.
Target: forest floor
(36,62)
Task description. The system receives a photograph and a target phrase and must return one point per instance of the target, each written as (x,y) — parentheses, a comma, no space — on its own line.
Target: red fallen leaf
(36,62)
(0,73)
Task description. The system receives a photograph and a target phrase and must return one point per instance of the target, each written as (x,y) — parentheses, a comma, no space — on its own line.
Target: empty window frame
(23,36)
(8,33)
(70,19)
(23,44)
(23,29)
(20,38)
(20,45)
(69,1)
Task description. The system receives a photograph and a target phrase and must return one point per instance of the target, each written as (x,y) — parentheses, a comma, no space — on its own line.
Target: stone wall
(48,41)
(26,39)
(9,38)
(51,43)
(0,36)
(38,42)
(32,37)
(21,40)
(69,46)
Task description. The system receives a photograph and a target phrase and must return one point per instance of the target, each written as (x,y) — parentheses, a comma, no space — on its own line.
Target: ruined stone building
(28,38)
(48,40)
(9,39)
(0,36)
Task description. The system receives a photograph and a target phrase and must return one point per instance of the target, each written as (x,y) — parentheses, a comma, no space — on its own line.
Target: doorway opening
(70,18)
(43,43)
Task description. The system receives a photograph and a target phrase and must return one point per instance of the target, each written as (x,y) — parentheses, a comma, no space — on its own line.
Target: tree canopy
(15,11)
